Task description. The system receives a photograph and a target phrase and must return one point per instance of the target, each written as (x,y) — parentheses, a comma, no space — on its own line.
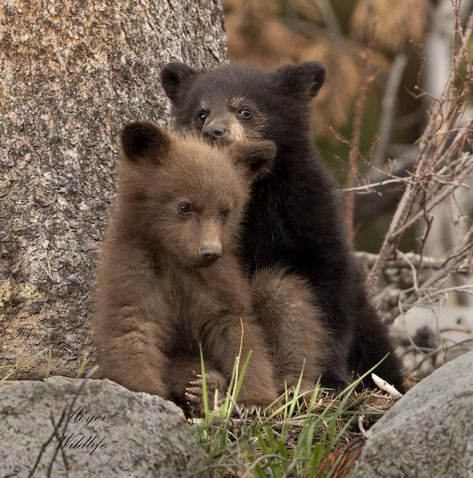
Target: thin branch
(433,159)
(404,261)
(354,154)
(434,201)
(66,412)
(400,216)
(372,186)
(389,108)
(450,265)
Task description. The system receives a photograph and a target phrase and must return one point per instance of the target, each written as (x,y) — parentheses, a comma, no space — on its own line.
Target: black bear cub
(169,279)
(294,218)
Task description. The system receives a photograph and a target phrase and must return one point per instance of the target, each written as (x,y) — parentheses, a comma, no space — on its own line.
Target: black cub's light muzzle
(215,132)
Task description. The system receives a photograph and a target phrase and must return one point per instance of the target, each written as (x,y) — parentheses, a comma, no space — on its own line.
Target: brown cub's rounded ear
(143,139)
(255,159)
(304,79)
(174,77)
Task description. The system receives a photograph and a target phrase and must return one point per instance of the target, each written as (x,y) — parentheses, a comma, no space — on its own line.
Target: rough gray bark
(71,74)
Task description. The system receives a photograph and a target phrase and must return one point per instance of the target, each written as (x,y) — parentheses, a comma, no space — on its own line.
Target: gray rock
(429,432)
(129,434)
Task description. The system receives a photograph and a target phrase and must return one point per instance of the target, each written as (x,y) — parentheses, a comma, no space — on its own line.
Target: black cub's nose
(215,132)
(211,253)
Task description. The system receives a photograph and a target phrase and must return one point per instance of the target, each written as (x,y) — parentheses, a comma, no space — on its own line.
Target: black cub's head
(242,103)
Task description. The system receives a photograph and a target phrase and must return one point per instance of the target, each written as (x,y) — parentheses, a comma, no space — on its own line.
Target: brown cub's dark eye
(202,116)
(245,113)
(225,214)
(184,208)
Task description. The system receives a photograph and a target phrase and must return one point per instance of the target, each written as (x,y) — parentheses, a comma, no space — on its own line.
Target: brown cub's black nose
(211,253)
(215,132)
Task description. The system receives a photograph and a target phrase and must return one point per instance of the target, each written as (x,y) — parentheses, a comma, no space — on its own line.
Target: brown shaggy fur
(158,297)
(283,303)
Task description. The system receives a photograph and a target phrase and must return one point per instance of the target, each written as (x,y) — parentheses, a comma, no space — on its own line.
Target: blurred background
(380,56)
(387,62)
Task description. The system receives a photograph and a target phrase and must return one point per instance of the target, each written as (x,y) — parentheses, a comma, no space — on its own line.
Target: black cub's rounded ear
(174,77)
(143,139)
(254,159)
(304,79)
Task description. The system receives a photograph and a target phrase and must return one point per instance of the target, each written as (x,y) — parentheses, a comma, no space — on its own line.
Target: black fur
(294,218)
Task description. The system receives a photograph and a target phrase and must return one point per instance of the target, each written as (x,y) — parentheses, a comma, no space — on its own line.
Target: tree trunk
(71,74)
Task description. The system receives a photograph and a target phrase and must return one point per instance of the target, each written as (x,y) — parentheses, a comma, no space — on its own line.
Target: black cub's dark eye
(225,214)
(184,208)
(245,113)
(202,116)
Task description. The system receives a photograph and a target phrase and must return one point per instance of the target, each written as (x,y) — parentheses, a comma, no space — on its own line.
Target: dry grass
(312,435)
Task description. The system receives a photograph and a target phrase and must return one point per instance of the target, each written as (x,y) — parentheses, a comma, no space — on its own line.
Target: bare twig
(355,147)
(385,386)
(451,264)
(63,454)
(361,427)
(403,260)
(63,420)
(442,165)
(372,186)
(389,108)
(442,349)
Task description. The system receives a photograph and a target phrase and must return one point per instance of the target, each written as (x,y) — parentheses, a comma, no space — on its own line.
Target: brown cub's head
(185,198)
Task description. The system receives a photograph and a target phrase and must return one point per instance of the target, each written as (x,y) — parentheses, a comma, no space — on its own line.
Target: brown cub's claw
(193,398)
(194,392)
(212,381)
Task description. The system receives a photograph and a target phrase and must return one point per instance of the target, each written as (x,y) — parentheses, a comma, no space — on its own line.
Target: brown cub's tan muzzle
(210,242)
(211,252)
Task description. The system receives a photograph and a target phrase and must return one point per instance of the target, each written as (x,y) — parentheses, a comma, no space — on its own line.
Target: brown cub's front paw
(194,395)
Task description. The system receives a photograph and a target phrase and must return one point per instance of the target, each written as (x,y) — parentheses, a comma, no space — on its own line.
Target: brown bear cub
(169,278)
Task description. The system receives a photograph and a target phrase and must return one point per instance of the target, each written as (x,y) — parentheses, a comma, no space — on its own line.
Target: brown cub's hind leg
(299,340)
(186,382)
(225,338)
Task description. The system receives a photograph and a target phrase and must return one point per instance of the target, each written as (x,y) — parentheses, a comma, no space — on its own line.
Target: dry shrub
(390,24)
(257,35)
(347,71)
